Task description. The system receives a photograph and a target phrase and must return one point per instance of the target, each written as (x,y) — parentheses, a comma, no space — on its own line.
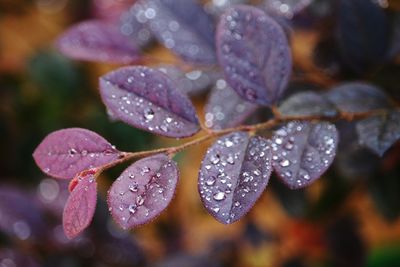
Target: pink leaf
(65,153)
(80,206)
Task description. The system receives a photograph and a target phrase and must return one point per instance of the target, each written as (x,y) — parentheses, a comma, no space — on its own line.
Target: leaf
(287,8)
(254,54)
(233,174)
(95,40)
(303,151)
(216,7)
(357,97)
(147,99)
(183,27)
(307,104)
(362,34)
(379,132)
(225,108)
(65,153)
(143,190)
(81,205)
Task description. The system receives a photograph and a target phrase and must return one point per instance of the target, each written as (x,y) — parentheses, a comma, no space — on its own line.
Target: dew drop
(132,208)
(284,163)
(219,196)
(216,209)
(139,200)
(148,114)
(210,181)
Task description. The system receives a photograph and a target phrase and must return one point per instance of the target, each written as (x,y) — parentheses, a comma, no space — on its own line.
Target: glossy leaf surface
(65,153)
(357,97)
(254,54)
(183,27)
(379,132)
(148,99)
(81,205)
(225,108)
(143,190)
(233,174)
(97,41)
(307,104)
(303,151)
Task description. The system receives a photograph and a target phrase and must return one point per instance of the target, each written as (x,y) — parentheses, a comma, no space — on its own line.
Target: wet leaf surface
(233,174)
(64,153)
(254,54)
(143,190)
(148,99)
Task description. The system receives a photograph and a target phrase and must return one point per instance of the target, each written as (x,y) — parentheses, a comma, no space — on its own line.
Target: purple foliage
(379,132)
(80,206)
(65,153)
(233,174)
(230,112)
(183,27)
(254,53)
(303,151)
(143,190)
(357,97)
(147,99)
(15,258)
(97,41)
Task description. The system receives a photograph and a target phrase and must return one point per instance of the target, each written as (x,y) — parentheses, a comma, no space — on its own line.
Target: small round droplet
(219,196)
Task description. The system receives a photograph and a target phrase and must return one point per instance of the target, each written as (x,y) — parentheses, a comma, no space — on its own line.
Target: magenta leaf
(143,190)
(95,40)
(254,53)
(233,174)
(80,206)
(356,97)
(303,151)
(184,27)
(148,99)
(287,8)
(65,153)
(230,112)
(307,104)
(379,132)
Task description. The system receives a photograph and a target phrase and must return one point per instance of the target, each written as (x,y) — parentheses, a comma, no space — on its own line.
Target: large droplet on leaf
(233,174)
(303,151)
(148,99)
(254,54)
(143,190)
(65,153)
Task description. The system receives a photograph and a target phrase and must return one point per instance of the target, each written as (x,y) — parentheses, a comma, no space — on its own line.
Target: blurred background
(350,217)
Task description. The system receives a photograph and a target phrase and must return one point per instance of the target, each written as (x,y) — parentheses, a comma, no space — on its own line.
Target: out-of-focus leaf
(217,7)
(287,8)
(362,34)
(184,27)
(64,153)
(306,104)
(303,151)
(15,258)
(233,174)
(254,54)
(384,256)
(143,190)
(80,206)
(356,97)
(225,108)
(184,260)
(148,99)
(379,132)
(97,41)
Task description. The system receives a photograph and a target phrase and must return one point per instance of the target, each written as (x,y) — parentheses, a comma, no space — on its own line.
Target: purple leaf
(97,41)
(143,190)
(65,153)
(357,97)
(184,27)
(379,132)
(217,7)
(233,174)
(287,8)
(225,108)
(147,99)
(80,206)
(307,104)
(303,151)
(254,53)
(13,257)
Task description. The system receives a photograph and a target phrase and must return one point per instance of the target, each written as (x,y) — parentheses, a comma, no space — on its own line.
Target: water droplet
(72,152)
(133,187)
(210,181)
(139,200)
(216,209)
(237,203)
(284,163)
(230,160)
(132,208)
(214,159)
(148,114)
(144,170)
(257,172)
(278,141)
(228,143)
(219,196)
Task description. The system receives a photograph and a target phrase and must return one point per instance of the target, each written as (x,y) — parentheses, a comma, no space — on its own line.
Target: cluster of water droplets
(233,174)
(142,191)
(229,113)
(287,8)
(302,151)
